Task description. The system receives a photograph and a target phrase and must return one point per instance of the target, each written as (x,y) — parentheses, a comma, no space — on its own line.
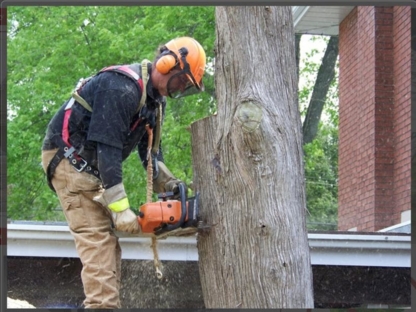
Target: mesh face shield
(183,83)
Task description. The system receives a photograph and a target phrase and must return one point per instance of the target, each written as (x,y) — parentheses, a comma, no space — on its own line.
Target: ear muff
(166,63)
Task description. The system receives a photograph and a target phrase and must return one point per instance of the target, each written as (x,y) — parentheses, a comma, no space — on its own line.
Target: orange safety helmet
(188,55)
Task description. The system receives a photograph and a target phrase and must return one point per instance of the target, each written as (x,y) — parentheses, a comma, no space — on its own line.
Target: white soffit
(319,20)
(344,249)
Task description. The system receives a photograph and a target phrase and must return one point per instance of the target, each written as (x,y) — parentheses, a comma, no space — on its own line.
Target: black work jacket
(107,136)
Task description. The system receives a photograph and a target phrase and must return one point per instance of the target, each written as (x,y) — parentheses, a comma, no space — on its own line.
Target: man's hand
(126,221)
(115,199)
(166,181)
(173,186)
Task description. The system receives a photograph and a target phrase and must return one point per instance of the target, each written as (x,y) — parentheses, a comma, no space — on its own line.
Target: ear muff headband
(186,68)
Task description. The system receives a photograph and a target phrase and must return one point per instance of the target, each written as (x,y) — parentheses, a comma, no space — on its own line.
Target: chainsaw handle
(182,194)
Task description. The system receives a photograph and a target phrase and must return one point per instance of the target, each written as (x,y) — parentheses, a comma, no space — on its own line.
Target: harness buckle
(76,161)
(80,165)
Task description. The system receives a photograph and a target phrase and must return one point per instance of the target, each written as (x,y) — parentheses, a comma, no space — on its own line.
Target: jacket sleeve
(109,164)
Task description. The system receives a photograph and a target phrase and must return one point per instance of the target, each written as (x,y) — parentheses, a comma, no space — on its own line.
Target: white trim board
(344,249)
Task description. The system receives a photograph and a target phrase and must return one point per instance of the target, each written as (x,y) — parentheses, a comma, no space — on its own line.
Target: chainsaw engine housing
(168,214)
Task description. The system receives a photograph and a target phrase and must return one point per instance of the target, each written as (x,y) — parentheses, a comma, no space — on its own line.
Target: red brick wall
(348,132)
(402,110)
(384,125)
(373,172)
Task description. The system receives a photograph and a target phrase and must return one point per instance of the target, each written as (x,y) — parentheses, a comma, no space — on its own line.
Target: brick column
(372,171)
(402,111)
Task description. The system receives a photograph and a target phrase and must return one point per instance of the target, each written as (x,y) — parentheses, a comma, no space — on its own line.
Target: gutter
(332,248)
(364,249)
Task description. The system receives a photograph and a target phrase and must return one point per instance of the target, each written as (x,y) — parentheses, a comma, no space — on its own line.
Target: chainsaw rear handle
(178,224)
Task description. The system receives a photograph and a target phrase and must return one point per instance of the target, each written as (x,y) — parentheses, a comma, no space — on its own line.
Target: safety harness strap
(79,163)
(145,78)
(155,149)
(158,127)
(81,101)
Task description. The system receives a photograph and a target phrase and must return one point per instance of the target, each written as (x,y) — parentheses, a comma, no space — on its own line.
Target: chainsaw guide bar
(180,232)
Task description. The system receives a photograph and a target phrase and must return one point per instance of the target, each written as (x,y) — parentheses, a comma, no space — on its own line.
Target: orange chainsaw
(169,214)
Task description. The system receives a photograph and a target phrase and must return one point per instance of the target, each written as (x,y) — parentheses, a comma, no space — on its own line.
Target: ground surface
(56,283)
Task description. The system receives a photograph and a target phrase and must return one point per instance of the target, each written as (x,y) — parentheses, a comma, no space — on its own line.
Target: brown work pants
(91,226)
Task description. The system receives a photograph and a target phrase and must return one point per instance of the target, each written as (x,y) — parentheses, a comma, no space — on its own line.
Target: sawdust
(18,304)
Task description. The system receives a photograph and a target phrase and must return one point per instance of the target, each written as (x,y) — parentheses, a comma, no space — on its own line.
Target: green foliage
(321,175)
(321,155)
(51,48)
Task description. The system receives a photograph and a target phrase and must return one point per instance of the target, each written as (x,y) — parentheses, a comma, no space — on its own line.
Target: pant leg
(118,270)
(91,226)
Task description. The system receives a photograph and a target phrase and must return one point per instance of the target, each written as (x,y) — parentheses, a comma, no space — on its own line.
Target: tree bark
(298,37)
(247,164)
(324,78)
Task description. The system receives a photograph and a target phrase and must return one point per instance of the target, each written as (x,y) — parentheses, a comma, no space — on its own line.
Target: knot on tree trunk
(249,115)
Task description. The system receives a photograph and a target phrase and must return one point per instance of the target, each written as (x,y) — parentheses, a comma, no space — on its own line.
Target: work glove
(115,199)
(165,181)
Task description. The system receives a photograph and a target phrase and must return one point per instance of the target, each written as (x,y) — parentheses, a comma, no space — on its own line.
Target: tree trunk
(248,168)
(324,78)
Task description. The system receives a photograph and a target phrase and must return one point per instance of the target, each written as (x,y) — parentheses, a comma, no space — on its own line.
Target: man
(89,137)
